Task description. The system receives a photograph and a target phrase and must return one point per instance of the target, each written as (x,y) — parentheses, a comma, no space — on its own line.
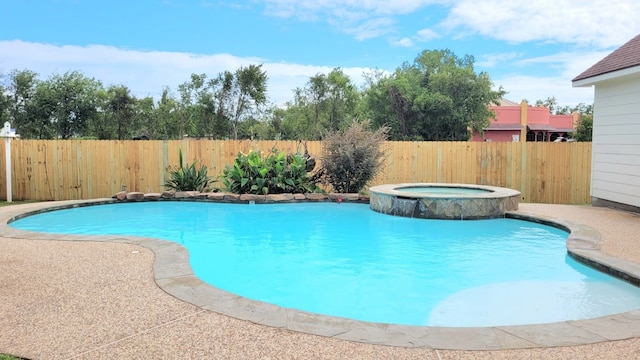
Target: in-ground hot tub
(443,201)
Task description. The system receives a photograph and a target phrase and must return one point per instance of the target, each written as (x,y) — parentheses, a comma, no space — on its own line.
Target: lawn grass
(9,357)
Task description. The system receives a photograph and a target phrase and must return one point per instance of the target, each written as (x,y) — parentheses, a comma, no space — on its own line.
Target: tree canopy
(438,96)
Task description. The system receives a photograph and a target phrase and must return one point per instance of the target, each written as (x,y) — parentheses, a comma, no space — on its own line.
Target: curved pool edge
(174,275)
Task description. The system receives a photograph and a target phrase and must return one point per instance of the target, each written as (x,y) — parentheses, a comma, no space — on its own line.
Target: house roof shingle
(626,56)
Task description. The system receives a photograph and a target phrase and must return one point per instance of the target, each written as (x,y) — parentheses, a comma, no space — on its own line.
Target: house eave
(590,81)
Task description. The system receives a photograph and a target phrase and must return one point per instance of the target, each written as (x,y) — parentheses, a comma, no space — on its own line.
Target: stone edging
(239,198)
(174,275)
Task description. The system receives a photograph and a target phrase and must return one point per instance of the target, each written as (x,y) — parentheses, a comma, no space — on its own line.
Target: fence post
(524,111)
(8,133)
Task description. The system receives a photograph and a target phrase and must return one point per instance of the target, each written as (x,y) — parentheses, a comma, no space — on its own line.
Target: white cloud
(600,23)
(422,36)
(491,60)
(404,42)
(520,87)
(364,19)
(567,66)
(425,35)
(369,29)
(146,73)
(338,8)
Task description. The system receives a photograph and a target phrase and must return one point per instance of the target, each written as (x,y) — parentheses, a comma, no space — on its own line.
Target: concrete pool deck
(116,297)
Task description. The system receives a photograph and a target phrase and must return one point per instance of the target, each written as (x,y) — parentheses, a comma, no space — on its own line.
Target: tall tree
(550,103)
(166,113)
(341,99)
(185,107)
(268,127)
(584,132)
(197,104)
(122,107)
(69,102)
(328,102)
(380,104)
(115,117)
(317,93)
(21,102)
(437,97)
(148,121)
(241,95)
(298,119)
(5,103)
(101,126)
(40,124)
(289,122)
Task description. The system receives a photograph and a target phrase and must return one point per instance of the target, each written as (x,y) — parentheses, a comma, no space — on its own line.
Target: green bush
(276,173)
(187,178)
(351,159)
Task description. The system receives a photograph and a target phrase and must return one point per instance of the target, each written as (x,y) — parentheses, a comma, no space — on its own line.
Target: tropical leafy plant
(275,173)
(187,178)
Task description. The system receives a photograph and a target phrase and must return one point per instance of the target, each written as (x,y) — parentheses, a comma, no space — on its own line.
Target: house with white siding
(615,164)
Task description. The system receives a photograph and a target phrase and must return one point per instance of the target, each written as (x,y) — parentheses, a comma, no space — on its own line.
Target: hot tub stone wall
(484,206)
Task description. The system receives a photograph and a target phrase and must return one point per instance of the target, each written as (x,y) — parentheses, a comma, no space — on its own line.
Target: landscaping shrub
(187,178)
(351,159)
(276,173)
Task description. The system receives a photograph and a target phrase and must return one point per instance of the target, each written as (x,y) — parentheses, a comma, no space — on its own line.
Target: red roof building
(521,122)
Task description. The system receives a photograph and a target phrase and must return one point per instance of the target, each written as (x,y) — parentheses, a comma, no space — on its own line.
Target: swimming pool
(366,265)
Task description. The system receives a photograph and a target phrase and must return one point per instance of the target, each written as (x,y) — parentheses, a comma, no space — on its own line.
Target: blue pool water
(442,190)
(346,260)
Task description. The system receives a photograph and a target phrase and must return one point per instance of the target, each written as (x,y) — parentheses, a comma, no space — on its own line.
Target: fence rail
(556,173)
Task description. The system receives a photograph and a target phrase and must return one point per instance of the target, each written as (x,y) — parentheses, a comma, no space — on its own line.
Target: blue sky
(531,48)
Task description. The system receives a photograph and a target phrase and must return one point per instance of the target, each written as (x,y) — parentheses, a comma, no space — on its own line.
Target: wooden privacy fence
(557,173)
